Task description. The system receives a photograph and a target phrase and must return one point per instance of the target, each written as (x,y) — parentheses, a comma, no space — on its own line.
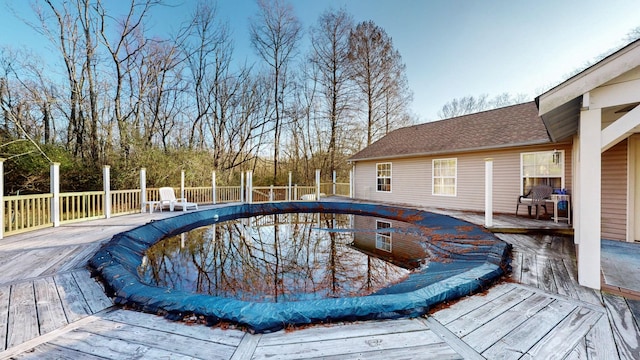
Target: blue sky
(452,48)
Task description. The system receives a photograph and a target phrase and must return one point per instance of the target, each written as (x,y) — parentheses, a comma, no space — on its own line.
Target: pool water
(287,257)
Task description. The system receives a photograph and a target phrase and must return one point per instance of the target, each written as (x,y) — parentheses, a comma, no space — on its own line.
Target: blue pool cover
(469,260)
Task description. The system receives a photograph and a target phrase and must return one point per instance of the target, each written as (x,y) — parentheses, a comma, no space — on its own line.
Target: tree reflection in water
(270,258)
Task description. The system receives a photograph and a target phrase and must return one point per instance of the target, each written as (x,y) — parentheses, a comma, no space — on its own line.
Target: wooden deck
(51,309)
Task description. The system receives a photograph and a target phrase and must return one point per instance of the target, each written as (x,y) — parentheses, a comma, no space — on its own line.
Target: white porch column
(54,172)
(213,186)
(106,184)
(2,197)
(317,184)
(143,189)
(351,183)
(589,194)
(488,193)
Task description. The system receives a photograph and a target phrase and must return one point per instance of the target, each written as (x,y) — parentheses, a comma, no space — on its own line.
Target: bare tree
(121,51)
(275,33)
(378,72)
(473,104)
(330,54)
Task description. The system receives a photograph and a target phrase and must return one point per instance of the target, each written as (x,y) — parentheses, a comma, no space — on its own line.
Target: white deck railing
(21,213)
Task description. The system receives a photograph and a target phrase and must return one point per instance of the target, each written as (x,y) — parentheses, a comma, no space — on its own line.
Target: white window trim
(378,235)
(564,166)
(433,183)
(390,178)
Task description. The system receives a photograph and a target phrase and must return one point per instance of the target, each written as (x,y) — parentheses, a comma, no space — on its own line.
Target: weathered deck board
(226,337)
(347,345)
(50,311)
(4,315)
(22,324)
(110,348)
(332,332)
(527,334)
(171,342)
(73,302)
(488,311)
(625,331)
(484,337)
(92,291)
(53,352)
(561,340)
(461,308)
(599,342)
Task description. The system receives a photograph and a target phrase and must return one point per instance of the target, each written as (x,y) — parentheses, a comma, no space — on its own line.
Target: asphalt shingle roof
(509,126)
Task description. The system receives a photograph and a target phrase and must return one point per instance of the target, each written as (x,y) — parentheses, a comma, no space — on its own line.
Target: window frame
(562,164)
(434,177)
(384,241)
(378,177)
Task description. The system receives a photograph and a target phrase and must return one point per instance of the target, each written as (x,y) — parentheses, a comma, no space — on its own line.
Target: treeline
(115,93)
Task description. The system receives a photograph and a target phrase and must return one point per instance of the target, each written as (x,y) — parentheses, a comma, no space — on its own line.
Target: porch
(53,309)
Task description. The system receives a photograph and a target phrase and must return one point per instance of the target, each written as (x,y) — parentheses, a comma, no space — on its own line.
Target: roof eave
(456,151)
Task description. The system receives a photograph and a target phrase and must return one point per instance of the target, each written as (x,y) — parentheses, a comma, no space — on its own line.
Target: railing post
(213,185)
(351,183)
(250,187)
(271,193)
(54,171)
(317,184)
(2,197)
(334,183)
(143,189)
(106,183)
(289,188)
(488,192)
(242,189)
(295,192)
(182,184)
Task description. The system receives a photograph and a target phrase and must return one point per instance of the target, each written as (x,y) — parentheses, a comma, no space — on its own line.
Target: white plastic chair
(168,196)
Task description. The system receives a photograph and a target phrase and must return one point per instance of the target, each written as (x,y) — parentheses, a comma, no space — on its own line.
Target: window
(383,177)
(444,176)
(383,238)
(542,168)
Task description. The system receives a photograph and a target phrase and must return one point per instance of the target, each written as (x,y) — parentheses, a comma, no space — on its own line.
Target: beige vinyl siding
(614,192)
(411,179)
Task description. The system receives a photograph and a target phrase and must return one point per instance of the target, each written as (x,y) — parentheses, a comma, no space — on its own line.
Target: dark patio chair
(537,196)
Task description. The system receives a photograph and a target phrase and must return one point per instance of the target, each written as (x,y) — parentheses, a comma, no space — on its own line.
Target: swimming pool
(463,258)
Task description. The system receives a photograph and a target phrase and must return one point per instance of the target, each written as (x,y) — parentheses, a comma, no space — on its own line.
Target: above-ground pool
(388,262)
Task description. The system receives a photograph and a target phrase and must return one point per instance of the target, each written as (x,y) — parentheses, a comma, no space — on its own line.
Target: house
(580,136)
(442,163)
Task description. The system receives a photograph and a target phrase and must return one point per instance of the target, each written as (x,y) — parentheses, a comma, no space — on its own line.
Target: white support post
(2,224)
(143,190)
(351,183)
(106,184)
(334,183)
(488,193)
(295,191)
(317,184)
(54,171)
(589,194)
(182,184)
(289,188)
(271,193)
(242,189)
(213,186)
